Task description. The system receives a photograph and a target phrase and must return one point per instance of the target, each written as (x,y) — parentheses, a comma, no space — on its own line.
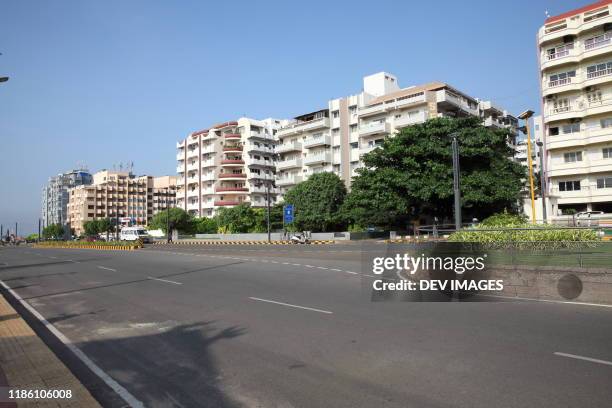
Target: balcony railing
(597,42)
(317,158)
(557,55)
(232,175)
(597,74)
(224,203)
(232,162)
(226,189)
(317,141)
(289,147)
(560,82)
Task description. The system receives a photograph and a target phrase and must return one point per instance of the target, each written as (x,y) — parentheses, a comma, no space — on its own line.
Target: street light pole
(167,218)
(268,209)
(456,177)
(117,212)
(525,116)
(542,180)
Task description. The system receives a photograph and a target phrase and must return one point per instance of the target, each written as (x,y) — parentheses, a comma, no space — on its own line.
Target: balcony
(180,181)
(180,169)
(324,140)
(192,153)
(299,127)
(180,145)
(261,162)
(232,162)
(208,163)
(231,189)
(367,149)
(289,180)
(451,101)
(289,147)
(208,149)
(232,136)
(209,176)
(232,176)
(404,121)
(261,135)
(192,166)
(232,149)
(287,164)
(263,189)
(226,203)
(374,128)
(392,104)
(180,155)
(260,149)
(319,158)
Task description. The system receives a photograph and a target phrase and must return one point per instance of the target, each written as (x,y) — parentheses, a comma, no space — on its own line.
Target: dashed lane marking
(312,309)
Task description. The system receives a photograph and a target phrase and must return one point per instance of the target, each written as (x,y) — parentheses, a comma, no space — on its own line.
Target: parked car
(134,234)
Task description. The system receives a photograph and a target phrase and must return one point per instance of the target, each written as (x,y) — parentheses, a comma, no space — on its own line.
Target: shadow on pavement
(173,368)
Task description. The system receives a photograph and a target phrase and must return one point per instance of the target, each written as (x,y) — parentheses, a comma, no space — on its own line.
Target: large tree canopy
(411,174)
(179,220)
(317,203)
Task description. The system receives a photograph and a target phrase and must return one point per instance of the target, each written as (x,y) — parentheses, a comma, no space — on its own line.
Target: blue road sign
(288,213)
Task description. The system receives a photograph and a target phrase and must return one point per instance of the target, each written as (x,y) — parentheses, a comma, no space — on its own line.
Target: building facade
(335,138)
(575,59)
(132,199)
(231,163)
(55,195)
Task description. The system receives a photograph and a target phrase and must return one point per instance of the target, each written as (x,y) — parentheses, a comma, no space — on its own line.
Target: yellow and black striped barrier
(100,247)
(316,242)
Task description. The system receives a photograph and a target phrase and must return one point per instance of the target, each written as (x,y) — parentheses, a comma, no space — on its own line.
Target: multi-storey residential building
(55,195)
(230,163)
(575,58)
(334,139)
(133,199)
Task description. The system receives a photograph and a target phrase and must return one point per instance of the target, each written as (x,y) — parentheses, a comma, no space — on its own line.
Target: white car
(134,234)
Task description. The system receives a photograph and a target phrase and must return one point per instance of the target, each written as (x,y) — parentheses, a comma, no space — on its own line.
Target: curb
(318,242)
(99,247)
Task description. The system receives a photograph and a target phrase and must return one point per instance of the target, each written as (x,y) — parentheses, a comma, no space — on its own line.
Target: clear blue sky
(103,82)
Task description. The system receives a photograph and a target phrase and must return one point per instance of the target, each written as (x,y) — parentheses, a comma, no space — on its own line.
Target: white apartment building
(575,58)
(230,163)
(333,139)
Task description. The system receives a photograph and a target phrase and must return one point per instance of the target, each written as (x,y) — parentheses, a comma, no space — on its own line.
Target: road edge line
(107,379)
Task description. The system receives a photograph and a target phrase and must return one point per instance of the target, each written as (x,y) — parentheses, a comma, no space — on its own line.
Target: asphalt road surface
(293,326)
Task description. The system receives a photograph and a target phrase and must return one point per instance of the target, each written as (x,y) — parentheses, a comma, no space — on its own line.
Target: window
(604,182)
(569,185)
(561,105)
(571,128)
(553,131)
(606,123)
(594,97)
(607,152)
(353,128)
(353,108)
(335,114)
(398,116)
(572,157)
(597,70)
(562,78)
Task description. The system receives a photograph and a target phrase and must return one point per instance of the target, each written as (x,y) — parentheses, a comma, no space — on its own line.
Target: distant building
(55,195)
(133,199)
(230,163)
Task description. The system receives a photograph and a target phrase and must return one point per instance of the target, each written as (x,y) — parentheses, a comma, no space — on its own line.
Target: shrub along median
(119,245)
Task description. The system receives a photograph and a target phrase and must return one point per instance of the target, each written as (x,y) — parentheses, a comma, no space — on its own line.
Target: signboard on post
(288,214)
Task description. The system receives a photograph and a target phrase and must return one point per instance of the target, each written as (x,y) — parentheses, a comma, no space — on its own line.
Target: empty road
(295,326)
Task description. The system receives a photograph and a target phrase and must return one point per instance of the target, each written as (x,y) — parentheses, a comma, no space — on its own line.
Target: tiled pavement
(26,363)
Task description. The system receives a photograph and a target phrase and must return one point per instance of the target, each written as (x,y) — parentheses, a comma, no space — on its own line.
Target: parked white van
(134,234)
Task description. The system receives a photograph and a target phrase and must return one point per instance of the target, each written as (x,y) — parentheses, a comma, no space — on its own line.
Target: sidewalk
(27,363)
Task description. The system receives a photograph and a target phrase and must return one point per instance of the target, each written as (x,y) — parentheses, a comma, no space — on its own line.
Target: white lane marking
(334,269)
(114,385)
(164,280)
(565,302)
(592,360)
(351,272)
(108,269)
(53,257)
(290,305)
(322,267)
(309,266)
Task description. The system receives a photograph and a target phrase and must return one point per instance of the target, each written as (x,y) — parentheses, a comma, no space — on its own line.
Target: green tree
(179,220)
(317,203)
(204,225)
(91,228)
(411,175)
(104,225)
(54,231)
(239,219)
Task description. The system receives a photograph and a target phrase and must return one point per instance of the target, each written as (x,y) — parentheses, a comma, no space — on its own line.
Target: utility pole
(525,116)
(117,211)
(456,181)
(38,240)
(167,217)
(268,208)
(542,180)
(15,230)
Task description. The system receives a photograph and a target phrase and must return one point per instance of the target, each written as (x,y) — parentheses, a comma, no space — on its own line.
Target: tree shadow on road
(172,368)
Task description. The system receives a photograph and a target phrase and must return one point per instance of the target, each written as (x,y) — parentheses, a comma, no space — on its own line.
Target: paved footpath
(26,363)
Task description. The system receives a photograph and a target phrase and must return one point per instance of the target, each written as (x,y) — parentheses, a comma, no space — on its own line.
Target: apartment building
(230,163)
(55,195)
(134,199)
(575,58)
(335,138)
